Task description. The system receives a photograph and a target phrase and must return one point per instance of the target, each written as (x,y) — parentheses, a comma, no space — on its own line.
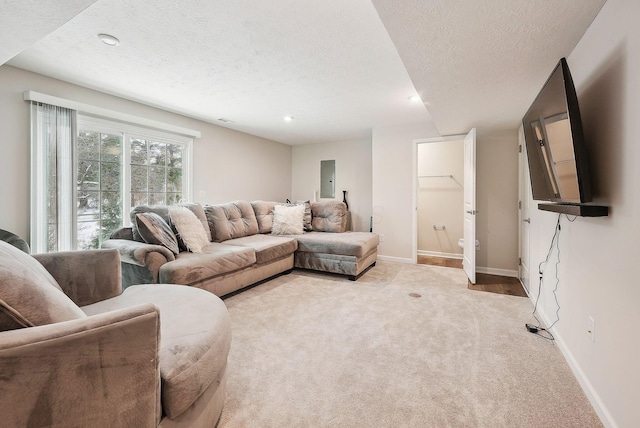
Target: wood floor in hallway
(484,282)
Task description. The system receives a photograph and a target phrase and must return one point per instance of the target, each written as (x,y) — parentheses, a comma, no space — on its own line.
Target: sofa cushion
(267,247)
(329,216)
(264,214)
(215,259)
(355,244)
(29,295)
(288,220)
(189,228)
(195,337)
(231,220)
(154,230)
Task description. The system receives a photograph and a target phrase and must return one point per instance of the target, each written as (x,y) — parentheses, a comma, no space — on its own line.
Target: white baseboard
(439,254)
(595,400)
(479,269)
(501,272)
(395,259)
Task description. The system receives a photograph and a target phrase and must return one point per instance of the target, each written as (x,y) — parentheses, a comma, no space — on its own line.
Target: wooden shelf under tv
(582,210)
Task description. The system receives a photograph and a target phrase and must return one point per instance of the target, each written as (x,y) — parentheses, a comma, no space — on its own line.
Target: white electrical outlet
(382,237)
(591,329)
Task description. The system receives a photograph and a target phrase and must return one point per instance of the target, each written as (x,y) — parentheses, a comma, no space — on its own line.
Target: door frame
(525,202)
(414,216)
(470,205)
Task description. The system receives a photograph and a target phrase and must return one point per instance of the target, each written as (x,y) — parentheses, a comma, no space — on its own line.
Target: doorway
(439,200)
(469,243)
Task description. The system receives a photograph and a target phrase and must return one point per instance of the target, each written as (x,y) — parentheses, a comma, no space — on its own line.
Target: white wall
(393,181)
(599,256)
(497,202)
(353,174)
(227,164)
(440,199)
(497,195)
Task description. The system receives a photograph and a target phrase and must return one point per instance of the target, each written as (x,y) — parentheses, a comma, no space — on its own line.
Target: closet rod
(435,176)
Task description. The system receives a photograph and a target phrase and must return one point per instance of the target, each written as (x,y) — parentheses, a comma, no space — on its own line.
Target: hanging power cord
(538,329)
(571,219)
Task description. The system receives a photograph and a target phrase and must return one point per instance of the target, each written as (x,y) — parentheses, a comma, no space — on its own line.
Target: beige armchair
(77,351)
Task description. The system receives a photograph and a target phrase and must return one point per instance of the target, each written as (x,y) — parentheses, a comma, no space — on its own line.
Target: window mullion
(126,179)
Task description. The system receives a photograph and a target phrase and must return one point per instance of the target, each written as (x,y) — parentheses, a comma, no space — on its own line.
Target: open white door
(469,251)
(524,205)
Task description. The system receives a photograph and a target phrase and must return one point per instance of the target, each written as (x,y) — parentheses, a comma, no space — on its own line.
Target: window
(89,172)
(156,171)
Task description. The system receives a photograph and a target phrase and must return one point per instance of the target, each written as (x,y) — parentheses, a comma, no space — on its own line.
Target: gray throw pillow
(161,210)
(308,227)
(154,230)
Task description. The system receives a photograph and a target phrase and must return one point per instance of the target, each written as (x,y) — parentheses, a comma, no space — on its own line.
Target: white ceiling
(337,67)
(481,63)
(24,22)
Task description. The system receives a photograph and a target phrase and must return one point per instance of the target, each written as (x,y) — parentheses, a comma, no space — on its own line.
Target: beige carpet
(314,350)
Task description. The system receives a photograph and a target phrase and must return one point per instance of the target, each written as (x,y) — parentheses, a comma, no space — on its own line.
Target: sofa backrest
(329,216)
(231,220)
(325,216)
(264,214)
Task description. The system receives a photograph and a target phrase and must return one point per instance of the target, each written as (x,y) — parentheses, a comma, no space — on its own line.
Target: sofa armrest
(142,261)
(85,276)
(97,371)
(138,253)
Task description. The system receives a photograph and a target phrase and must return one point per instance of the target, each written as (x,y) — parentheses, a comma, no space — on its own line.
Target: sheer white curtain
(53,130)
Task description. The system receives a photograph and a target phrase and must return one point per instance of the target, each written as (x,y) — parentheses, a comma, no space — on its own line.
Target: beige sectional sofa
(241,248)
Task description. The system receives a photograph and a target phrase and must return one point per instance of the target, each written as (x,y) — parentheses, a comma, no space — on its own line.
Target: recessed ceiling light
(415,98)
(288,118)
(108,39)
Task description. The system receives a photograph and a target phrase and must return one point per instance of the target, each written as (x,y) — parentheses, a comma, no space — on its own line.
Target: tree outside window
(156,178)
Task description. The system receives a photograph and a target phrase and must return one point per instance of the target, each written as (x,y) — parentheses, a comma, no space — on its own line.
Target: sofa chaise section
(346,253)
(326,246)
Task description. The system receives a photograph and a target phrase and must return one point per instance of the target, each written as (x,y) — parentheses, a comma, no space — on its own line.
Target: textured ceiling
(340,68)
(330,64)
(24,22)
(481,63)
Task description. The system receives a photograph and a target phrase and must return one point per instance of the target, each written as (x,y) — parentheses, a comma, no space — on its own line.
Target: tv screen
(554,139)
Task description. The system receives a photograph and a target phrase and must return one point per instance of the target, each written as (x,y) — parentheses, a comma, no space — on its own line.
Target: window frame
(130,131)
(39,187)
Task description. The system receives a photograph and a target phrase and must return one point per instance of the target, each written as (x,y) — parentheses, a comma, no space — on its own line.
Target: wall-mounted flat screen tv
(558,162)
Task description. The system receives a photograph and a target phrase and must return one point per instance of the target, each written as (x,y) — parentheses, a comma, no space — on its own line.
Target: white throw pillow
(288,220)
(189,228)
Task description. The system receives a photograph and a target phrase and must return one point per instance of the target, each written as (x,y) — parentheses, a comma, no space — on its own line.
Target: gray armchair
(77,351)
